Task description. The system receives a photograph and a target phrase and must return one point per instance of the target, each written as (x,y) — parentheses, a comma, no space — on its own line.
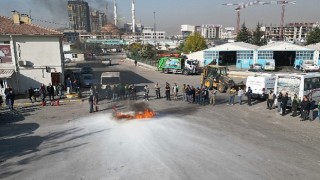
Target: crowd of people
(190,94)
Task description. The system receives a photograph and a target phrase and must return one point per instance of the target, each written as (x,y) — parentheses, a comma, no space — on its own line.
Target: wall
(41,52)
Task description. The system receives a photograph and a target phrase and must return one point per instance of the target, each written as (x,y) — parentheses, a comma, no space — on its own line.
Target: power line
(50,22)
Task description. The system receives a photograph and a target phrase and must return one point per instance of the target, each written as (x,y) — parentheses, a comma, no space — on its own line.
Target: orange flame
(147,113)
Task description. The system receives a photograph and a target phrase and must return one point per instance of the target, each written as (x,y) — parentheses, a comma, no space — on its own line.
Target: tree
(194,42)
(314,36)
(244,34)
(257,37)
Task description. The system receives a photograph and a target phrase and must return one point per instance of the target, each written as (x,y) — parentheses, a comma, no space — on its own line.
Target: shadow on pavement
(28,148)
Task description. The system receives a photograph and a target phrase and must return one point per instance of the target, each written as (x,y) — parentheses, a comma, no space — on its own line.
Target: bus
(301,84)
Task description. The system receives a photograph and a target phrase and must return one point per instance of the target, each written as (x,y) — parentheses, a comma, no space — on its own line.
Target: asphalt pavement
(183,141)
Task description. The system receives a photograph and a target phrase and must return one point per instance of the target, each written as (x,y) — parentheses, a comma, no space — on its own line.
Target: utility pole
(154,29)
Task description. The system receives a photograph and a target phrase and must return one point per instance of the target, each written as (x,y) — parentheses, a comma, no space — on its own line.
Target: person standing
(157,89)
(134,92)
(284,101)
(279,101)
(232,93)
(270,100)
(249,95)
(240,93)
(31,94)
(184,94)
(59,90)
(126,91)
(167,90)
(175,90)
(146,93)
(43,93)
(295,104)
(305,108)
(10,96)
(50,90)
(91,102)
(69,85)
(6,92)
(213,94)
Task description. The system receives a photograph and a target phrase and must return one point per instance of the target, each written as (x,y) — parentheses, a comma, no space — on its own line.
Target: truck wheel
(166,71)
(221,87)
(185,72)
(208,83)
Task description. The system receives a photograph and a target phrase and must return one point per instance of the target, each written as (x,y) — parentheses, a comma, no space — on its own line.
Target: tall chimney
(133,18)
(16,17)
(115,12)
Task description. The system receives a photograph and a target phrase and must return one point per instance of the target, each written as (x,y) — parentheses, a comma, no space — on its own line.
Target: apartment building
(211,31)
(79,16)
(292,32)
(98,20)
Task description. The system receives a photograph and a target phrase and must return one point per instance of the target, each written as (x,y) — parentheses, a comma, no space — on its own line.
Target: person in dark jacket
(249,95)
(305,108)
(295,104)
(50,90)
(31,94)
(167,90)
(10,96)
(284,101)
(279,101)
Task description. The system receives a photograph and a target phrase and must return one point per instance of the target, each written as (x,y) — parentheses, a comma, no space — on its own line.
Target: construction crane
(241,6)
(283,4)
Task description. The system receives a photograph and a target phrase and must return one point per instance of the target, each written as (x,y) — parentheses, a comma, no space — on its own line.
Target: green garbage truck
(177,65)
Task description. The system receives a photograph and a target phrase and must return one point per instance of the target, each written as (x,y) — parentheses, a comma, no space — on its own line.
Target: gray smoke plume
(58,10)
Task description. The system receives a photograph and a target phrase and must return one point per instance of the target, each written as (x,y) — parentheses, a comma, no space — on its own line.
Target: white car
(107,61)
(309,66)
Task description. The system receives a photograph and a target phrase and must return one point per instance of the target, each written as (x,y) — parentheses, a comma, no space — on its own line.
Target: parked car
(67,60)
(309,66)
(88,80)
(107,61)
(86,70)
(256,68)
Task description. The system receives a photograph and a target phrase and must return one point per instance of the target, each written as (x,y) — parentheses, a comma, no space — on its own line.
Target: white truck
(109,78)
(261,85)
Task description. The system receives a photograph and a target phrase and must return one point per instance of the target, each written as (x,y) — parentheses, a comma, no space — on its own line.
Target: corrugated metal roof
(235,46)
(314,46)
(7,27)
(283,46)
(6,73)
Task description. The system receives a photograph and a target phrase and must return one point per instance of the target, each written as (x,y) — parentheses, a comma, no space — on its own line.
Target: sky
(170,14)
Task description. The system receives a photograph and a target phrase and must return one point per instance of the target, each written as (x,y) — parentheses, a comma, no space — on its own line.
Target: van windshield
(110,80)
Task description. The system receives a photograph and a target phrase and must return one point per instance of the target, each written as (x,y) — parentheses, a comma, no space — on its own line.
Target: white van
(270,65)
(109,78)
(261,85)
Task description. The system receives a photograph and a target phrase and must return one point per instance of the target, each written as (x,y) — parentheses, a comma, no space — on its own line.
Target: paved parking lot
(183,141)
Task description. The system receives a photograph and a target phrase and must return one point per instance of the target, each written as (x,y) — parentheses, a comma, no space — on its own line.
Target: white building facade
(32,55)
(211,31)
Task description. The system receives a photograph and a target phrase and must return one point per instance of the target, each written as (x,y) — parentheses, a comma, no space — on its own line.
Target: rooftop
(8,27)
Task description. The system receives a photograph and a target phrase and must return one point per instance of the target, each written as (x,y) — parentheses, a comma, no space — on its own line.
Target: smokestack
(115,13)
(133,18)
(16,17)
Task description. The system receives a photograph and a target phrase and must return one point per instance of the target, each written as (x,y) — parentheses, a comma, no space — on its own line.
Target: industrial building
(79,16)
(243,55)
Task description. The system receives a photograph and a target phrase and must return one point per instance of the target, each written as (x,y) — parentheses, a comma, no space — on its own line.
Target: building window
(244,54)
(304,55)
(265,55)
